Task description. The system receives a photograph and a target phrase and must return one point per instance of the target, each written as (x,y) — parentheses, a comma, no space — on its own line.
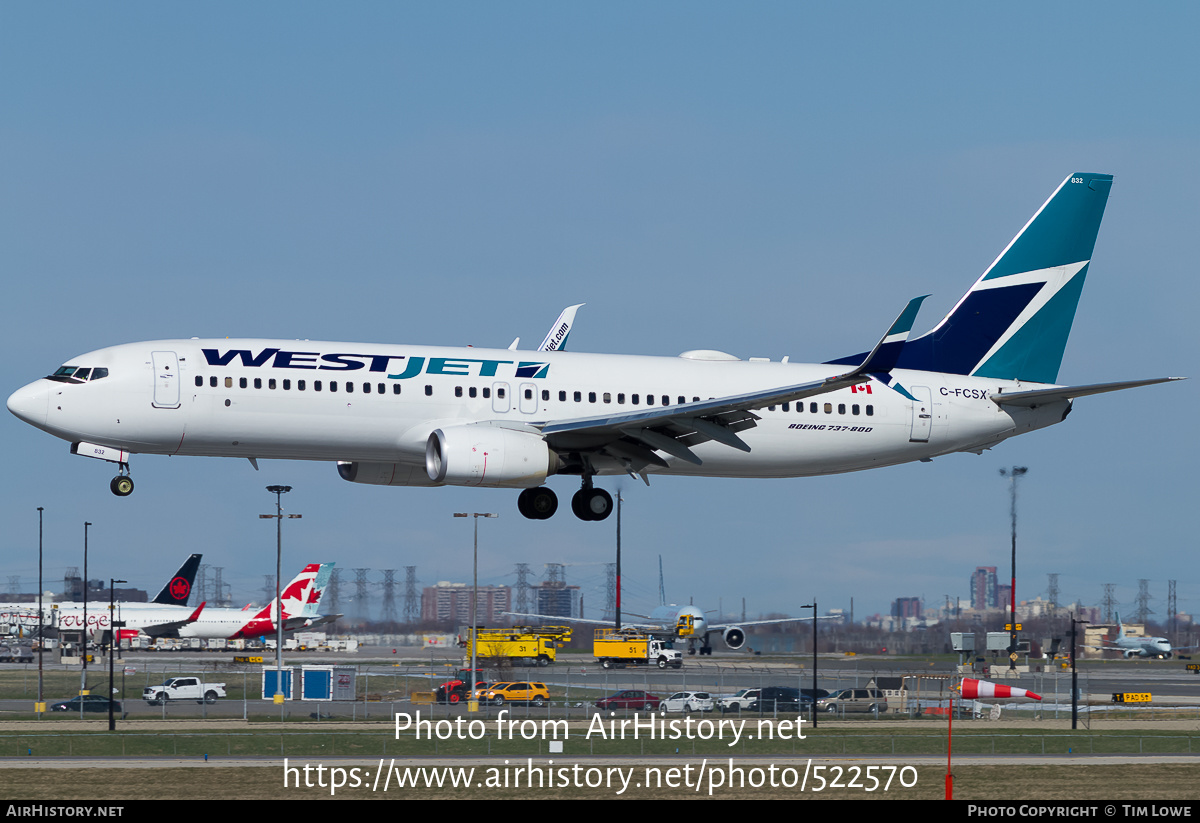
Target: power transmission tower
(14,584)
(360,594)
(1143,601)
(1171,606)
(389,596)
(1052,593)
(219,594)
(268,588)
(523,588)
(334,594)
(202,584)
(412,607)
(1109,602)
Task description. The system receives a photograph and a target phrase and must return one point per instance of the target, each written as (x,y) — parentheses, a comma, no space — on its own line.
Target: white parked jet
(405,415)
(301,599)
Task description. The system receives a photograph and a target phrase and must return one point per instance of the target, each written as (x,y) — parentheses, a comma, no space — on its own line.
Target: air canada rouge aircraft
(401,415)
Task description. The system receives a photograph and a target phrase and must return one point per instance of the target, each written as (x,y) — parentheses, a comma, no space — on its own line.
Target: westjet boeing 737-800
(404,415)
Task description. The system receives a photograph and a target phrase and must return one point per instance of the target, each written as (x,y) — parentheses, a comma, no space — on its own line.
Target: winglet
(196,614)
(883,357)
(556,340)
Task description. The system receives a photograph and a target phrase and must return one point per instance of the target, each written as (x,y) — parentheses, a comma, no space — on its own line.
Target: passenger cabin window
(428,390)
(229,382)
(471,391)
(396,389)
(258,382)
(242,382)
(199,380)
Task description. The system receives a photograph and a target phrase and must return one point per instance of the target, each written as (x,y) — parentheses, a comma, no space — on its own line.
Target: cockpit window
(75,374)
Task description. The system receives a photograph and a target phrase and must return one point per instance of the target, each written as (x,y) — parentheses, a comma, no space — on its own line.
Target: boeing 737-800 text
(427,416)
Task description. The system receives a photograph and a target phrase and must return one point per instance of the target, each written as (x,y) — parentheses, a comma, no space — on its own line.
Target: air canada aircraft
(301,599)
(1139,645)
(402,415)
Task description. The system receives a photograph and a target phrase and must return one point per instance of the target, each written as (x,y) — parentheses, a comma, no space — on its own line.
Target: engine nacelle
(384,474)
(1130,654)
(735,637)
(482,455)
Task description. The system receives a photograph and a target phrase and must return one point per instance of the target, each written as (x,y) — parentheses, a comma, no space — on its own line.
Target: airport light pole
(278,491)
(83,671)
(1013,474)
(1074,675)
(112,645)
(471,701)
(813,606)
(41,705)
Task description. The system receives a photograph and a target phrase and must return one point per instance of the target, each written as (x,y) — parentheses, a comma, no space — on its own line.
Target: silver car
(688,702)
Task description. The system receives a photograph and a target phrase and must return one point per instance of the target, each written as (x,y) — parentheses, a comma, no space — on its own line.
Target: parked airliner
(405,415)
(301,599)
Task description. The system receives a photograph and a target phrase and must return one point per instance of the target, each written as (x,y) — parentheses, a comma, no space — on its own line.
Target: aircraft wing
(649,627)
(633,437)
(719,627)
(1040,397)
(171,628)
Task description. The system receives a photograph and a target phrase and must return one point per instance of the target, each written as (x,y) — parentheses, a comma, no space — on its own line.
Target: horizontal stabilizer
(1040,397)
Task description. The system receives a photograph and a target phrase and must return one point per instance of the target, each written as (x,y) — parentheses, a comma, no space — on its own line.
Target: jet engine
(482,455)
(735,637)
(384,474)
(1130,653)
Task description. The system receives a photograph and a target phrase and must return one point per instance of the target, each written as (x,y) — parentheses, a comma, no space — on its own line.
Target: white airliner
(1137,646)
(405,415)
(301,599)
(686,623)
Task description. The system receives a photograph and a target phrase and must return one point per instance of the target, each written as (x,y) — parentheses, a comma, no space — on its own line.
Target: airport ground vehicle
(537,644)
(458,689)
(16,653)
(688,702)
(500,693)
(91,703)
(616,649)
(630,699)
(183,688)
(738,701)
(849,701)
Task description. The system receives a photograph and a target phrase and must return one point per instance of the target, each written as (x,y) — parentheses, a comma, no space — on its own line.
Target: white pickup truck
(183,688)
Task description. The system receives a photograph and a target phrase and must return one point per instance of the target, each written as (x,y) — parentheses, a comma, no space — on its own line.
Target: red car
(629,699)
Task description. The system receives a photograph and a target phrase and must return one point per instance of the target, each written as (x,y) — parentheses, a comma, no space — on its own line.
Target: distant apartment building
(451,602)
(983,588)
(904,607)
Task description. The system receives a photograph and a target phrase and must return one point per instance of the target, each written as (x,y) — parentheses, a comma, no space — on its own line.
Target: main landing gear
(588,503)
(122,484)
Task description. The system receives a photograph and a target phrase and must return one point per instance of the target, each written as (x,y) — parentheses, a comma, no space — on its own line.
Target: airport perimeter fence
(377,743)
(383,690)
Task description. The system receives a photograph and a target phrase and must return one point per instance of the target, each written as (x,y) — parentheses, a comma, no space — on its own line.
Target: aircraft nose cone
(30,403)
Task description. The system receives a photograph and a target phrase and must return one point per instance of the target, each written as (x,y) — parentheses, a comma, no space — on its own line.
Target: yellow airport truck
(616,649)
(537,644)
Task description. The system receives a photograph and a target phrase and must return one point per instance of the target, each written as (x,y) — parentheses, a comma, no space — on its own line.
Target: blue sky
(767,180)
